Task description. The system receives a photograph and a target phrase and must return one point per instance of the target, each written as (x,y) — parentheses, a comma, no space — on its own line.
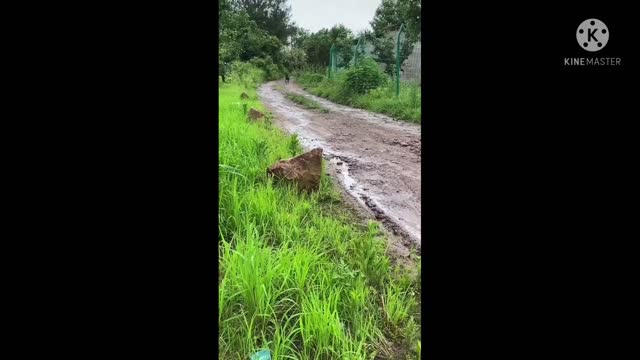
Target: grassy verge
(406,107)
(306,102)
(302,100)
(296,276)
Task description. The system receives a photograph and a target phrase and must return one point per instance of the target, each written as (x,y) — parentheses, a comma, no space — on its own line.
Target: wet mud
(376,159)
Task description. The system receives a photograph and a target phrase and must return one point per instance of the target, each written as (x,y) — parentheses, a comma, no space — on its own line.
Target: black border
(528,244)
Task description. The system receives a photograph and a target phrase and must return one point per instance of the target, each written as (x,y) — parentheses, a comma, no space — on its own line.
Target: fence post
(334,62)
(355,53)
(331,62)
(398,60)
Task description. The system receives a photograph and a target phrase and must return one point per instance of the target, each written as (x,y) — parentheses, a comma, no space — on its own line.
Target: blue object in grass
(261,355)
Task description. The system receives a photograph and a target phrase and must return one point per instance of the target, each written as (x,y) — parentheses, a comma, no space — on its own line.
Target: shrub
(365,86)
(363,77)
(309,79)
(247,73)
(271,70)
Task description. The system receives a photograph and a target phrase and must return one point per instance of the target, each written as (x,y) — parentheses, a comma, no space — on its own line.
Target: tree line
(263,33)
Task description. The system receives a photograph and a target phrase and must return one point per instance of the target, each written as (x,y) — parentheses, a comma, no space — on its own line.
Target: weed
(294,146)
(306,102)
(296,276)
(261,148)
(356,88)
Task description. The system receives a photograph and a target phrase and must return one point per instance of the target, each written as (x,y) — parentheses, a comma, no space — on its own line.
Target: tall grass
(297,275)
(306,102)
(406,107)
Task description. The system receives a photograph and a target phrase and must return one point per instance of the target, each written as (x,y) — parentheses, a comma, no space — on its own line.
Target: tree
(224,9)
(228,49)
(410,11)
(392,13)
(343,42)
(297,37)
(317,45)
(241,39)
(388,18)
(294,58)
(272,16)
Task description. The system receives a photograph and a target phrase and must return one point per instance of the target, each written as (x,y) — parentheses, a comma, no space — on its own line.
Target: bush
(332,89)
(246,73)
(365,76)
(311,79)
(271,70)
(365,86)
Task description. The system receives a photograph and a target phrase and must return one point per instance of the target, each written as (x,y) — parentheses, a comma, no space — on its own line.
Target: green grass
(306,102)
(406,107)
(297,275)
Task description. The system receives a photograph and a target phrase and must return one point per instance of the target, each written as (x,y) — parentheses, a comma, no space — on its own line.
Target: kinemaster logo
(592,36)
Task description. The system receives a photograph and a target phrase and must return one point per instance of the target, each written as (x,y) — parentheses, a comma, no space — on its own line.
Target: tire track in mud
(375,158)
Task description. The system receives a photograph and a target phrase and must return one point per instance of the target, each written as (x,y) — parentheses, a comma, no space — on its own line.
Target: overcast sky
(314,15)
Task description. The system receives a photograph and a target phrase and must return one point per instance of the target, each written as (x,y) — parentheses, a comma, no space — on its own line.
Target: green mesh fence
(340,59)
(408,59)
(411,70)
(398,57)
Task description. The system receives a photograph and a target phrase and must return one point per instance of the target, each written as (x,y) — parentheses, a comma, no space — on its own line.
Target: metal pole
(334,66)
(331,62)
(398,61)
(355,53)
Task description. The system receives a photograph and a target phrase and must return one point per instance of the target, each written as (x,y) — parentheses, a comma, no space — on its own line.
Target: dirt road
(375,158)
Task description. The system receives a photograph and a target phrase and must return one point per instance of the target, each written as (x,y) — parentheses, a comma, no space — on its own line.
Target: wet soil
(376,159)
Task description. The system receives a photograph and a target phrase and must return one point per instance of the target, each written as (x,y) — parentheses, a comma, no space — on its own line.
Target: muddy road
(375,158)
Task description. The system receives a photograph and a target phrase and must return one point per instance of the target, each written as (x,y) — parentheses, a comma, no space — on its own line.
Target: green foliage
(251,29)
(390,14)
(384,50)
(241,39)
(411,13)
(271,16)
(296,277)
(317,45)
(271,70)
(294,146)
(259,44)
(247,74)
(332,89)
(398,306)
(294,59)
(388,18)
(413,97)
(310,79)
(306,102)
(298,37)
(381,99)
(363,77)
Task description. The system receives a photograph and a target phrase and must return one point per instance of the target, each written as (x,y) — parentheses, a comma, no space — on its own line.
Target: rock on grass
(303,170)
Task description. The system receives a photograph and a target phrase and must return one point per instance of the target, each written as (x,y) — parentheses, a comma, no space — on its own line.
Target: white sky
(314,15)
